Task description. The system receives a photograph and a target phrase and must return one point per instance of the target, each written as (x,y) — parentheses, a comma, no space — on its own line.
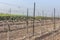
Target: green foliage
(12,17)
(20,17)
(38,17)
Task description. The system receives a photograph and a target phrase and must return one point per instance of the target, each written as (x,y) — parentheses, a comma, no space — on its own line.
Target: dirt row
(22,34)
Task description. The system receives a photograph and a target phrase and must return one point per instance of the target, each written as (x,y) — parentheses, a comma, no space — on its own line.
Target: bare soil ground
(18,30)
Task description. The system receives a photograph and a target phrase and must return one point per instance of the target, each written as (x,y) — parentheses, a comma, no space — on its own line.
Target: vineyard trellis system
(33,24)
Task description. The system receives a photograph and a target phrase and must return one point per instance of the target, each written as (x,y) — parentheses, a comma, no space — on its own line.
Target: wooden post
(34,18)
(54,19)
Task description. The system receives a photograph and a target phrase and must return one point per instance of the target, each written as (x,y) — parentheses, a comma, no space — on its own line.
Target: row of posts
(43,22)
(33,20)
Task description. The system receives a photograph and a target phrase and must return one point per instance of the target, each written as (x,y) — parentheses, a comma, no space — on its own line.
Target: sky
(20,6)
(29,3)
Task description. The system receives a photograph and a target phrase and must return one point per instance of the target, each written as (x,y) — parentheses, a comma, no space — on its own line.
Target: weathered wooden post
(54,20)
(33,18)
(8,33)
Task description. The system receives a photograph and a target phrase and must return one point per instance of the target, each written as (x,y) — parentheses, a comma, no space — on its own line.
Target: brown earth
(18,30)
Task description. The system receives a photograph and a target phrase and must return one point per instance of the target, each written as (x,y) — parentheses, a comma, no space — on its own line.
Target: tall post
(58,17)
(10,13)
(38,13)
(9,26)
(52,16)
(33,18)
(27,24)
(42,18)
(10,10)
(38,16)
(27,20)
(54,24)
(54,19)
(10,18)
